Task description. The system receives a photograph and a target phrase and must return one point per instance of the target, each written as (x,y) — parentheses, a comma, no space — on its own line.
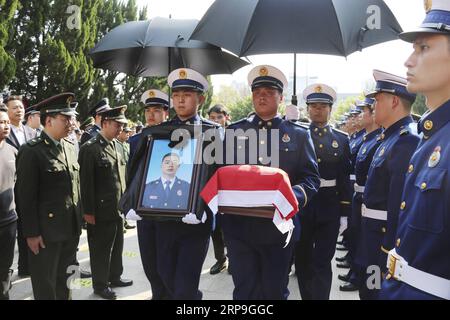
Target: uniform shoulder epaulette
(35,141)
(238,121)
(404,132)
(341,132)
(299,124)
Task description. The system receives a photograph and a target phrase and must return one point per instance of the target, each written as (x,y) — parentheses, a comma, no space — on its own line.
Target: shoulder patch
(34,141)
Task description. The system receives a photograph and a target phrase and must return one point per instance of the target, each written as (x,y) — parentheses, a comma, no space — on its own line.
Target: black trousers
(22,263)
(50,269)
(146,230)
(218,243)
(105,240)
(7,242)
(313,255)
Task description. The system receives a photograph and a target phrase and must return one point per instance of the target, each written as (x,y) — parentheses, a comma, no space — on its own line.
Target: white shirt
(19,133)
(171,182)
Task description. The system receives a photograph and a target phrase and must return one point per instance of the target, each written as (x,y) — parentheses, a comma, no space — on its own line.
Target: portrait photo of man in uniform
(169,176)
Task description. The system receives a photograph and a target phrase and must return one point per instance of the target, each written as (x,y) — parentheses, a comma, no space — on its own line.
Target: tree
(419,106)
(8,9)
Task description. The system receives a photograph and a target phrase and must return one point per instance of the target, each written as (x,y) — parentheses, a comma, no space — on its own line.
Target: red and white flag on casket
(253,186)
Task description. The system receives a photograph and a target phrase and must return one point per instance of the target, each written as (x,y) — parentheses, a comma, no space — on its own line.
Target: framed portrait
(172,176)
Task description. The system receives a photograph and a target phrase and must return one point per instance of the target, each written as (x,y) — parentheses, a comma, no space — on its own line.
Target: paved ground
(217,287)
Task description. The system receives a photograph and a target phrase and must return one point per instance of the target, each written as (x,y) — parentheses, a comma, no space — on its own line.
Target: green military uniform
(48,196)
(103,183)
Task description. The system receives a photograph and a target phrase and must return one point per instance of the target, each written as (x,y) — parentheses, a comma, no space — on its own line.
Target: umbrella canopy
(156,47)
(335,27)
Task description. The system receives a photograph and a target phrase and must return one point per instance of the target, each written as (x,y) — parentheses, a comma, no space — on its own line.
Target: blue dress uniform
(93,131)
(146,229)
(364,158)
(419,267)
(156,196)
(180,248)
(384,184)
(260,264)
(320,220)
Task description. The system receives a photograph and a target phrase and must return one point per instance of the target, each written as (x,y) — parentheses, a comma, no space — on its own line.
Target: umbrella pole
(294,96)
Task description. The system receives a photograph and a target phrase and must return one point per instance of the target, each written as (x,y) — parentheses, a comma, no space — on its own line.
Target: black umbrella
(156,47)
(335,27)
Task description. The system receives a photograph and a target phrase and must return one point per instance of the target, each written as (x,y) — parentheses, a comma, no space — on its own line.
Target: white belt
(352,177)
(373,214)
(358,188)
(327,183)
(401,271)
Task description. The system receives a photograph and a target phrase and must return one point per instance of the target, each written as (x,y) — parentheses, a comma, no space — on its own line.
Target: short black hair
(170,154)
(12,98)
(45,116)
(218,108)
(3,108)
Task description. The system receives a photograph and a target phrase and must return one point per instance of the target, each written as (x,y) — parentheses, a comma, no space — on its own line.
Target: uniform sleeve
(343,180)
(308,179)
(87,180)
(398,165)
(27,186)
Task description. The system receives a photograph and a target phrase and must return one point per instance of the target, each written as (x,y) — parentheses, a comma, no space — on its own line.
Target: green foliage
(419,106)
(7,61)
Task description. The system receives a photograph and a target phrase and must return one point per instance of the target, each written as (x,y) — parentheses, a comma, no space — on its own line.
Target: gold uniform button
(321,146)
(319,160)
(50,215)
(325,130)
(286,149)
(316,129)
(411,168)
(423,186)
(428,125)
(383,230)
(403,205)
(320,134)
(397,243)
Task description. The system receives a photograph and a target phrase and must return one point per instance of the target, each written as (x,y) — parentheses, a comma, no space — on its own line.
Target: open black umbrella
(156,47)
(335,27)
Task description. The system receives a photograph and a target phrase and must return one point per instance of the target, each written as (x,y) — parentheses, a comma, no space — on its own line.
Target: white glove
(344,224)
(191,218)
(292,112)
(133,216)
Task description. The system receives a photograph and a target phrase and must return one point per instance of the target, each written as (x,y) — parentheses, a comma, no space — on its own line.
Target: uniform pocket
(429,206)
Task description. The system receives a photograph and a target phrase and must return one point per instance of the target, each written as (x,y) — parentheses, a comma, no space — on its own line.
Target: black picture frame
(157,207)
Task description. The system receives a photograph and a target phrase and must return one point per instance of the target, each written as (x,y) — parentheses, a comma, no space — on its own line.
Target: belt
(399,269)
(358,188)
(373,214)
(327,183)
(352,177)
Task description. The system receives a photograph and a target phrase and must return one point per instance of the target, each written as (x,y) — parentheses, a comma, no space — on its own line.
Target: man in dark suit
(48,198)
(103,183)
(19,134)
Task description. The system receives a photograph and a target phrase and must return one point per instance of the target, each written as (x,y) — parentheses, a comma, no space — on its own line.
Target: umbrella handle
(294,100)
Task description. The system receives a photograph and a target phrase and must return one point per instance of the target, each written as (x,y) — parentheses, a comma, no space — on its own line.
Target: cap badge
(335,144)
(286,138)
(435,157)
(318,89)
(151,94)
(182,74)
(263,71)
(428,125)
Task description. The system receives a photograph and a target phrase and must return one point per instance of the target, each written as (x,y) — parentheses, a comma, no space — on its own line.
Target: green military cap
(61,103)
(86,123)
(116,114)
